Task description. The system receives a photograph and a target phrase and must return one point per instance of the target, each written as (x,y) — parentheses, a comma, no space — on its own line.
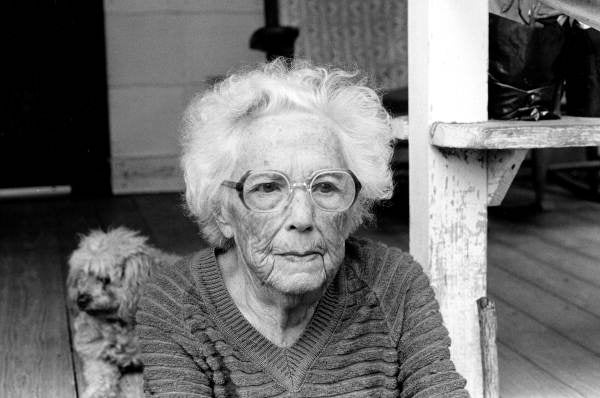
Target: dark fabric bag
(583,72)
(526,68)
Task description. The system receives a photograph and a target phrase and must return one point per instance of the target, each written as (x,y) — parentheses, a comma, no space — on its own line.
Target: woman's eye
(267,187)
(325,187)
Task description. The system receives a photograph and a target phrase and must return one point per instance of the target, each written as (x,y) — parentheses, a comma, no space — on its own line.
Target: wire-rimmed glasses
(270,190)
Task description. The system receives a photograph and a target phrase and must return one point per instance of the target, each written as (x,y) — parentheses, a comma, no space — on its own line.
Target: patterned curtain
(370,35)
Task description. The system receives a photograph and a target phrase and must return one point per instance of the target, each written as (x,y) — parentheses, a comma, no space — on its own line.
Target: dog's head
(106,271)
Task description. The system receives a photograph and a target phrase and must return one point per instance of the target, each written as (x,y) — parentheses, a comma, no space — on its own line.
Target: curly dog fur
(106,273)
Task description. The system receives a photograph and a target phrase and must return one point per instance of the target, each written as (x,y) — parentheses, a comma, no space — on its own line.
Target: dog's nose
(83,300)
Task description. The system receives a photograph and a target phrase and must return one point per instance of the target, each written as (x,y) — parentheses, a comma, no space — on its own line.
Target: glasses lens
(265,191)
(333,190)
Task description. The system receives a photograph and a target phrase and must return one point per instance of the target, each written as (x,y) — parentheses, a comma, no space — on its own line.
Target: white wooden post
(448,53)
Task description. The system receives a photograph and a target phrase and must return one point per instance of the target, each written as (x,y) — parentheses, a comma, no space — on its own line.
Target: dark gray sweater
(376,332)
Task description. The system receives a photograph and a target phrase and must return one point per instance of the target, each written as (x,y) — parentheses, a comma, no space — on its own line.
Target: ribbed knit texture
(376,332)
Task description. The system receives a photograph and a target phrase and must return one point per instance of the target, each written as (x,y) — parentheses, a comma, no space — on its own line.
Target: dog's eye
(105,280)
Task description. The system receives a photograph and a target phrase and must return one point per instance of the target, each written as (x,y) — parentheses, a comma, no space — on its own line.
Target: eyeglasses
(271,190)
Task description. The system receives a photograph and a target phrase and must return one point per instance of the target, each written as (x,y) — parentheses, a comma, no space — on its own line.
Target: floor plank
(547,251)
(520,378)
(581,241)
(568,362)
(166,217)
(544,274)
(578,325)
(567,230)
(35,359)
(123,211)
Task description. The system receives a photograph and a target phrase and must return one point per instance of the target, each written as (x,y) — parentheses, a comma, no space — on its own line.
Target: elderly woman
(281,165)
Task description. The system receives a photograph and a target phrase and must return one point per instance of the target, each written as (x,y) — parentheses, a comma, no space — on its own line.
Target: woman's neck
(280,317)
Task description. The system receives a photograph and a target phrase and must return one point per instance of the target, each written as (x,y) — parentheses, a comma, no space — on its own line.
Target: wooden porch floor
(544,272)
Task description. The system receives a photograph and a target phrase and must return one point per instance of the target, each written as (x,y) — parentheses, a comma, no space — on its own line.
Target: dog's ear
(136,269)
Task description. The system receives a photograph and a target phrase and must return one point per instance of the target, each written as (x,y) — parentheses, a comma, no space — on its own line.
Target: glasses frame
(306,185)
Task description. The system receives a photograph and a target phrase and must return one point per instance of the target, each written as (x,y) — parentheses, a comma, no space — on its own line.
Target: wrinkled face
(298,249)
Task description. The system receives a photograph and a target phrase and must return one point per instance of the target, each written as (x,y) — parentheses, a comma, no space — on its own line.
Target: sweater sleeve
(426,369)
(413,317)
(169,365)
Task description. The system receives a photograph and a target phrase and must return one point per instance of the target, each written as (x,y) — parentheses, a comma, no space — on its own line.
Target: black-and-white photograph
(300,198)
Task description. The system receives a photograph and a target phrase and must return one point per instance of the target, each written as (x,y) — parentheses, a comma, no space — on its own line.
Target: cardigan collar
(287,366)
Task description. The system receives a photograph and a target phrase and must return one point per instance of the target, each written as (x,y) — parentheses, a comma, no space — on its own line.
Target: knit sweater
(376,332)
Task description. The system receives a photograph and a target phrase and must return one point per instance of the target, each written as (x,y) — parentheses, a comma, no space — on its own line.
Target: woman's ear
(224,220)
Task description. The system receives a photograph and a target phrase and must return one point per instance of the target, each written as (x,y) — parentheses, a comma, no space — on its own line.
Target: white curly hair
(215,122)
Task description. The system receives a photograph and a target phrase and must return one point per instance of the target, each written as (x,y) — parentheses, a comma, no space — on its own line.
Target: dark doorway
(54,128)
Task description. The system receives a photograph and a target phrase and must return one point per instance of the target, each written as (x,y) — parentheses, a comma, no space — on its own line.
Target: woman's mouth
(300,256)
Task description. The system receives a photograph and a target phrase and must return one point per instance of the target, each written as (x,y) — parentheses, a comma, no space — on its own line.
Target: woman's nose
(301,216)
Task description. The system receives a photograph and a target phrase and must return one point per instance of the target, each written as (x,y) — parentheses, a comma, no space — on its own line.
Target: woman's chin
(298,277)
(298,286)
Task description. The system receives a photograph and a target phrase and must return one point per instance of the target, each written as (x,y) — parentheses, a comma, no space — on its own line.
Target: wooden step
(499,134)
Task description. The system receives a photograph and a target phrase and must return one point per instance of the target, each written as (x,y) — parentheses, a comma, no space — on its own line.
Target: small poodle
(106,272)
